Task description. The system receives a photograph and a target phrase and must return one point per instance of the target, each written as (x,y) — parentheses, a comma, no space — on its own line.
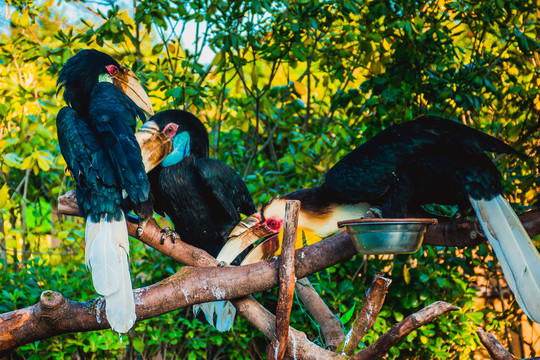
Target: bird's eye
(170,129)
(113,70)
(273,224)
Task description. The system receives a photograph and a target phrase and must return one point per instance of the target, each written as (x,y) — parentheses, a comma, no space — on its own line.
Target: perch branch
(187,287)
(495,349)
(371,306)
(468,233)
(412,322)
(330,325)
(278,345)
(184,253)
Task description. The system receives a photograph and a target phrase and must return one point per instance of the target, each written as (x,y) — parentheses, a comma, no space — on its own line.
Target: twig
(371,306)
(493,346)
(286,282)
(412,322)
(330,325)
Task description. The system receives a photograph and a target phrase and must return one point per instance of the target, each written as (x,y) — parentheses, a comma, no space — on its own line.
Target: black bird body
(428,160)
(204,199)
(424,161)
(102,153)
(97,140)
(202,196)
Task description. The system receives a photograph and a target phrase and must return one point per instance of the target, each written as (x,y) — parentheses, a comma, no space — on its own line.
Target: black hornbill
(202,196)
(96,137)
(427,160)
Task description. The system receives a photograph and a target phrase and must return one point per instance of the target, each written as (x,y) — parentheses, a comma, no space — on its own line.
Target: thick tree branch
(371,306)
(493,346)
(468,233)
(187,287)
(412,322)
(330,325)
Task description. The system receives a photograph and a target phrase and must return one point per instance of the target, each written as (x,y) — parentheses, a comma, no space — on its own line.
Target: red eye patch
(170,130)
(112,69)
(274,223)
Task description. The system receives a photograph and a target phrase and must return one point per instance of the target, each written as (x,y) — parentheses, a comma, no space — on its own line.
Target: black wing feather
(89,165)
(114,117)
(367,172)
(227,187)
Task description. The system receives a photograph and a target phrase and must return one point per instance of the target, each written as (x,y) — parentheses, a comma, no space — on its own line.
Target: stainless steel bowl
(387,236)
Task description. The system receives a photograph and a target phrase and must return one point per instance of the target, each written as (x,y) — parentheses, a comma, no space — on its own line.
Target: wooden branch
(371,306)
(187,287)
(184,253)
(412,322)
(467,233)
(495,349)
(277,347)
(329,324)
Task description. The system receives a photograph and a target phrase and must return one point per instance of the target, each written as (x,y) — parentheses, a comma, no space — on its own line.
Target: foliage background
(294,86)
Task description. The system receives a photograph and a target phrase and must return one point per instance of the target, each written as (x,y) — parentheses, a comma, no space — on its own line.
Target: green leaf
(347,316)
(138,344)
(157,49)
(406,274)
(15,17)
(43,132)
(13,160)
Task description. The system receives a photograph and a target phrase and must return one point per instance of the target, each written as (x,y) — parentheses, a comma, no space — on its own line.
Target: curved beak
(247,232)
(154,144)
(129,83)
(264,251)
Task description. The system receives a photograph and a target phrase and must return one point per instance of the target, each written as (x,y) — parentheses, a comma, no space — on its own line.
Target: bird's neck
(181,150)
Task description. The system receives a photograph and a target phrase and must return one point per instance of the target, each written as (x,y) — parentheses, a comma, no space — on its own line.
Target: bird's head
(263,225)
(86,69)
(170,136)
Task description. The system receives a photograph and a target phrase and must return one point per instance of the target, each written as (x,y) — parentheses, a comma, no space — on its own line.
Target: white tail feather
(223,310)
(517,255)
(107,249)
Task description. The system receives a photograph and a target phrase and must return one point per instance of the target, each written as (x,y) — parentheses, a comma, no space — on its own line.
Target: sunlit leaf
(299,88)
(4,196)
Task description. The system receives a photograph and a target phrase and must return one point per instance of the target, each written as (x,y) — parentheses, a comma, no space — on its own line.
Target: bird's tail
(223,311)
(519,259)
(106,254)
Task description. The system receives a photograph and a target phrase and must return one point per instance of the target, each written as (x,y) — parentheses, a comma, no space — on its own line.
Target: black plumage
(202,196)
(96,137)
(427,160)
(96,134)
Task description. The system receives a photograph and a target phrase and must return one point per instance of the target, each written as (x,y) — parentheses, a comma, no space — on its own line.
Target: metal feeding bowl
(387,236)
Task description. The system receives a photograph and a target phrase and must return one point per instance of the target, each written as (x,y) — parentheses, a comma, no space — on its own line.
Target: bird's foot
(140,227)
(373,213)
(167,232)
(223,264)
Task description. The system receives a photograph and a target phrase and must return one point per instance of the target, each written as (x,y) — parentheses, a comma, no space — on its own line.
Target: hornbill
(96,137)
(202,196)
(424,161)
